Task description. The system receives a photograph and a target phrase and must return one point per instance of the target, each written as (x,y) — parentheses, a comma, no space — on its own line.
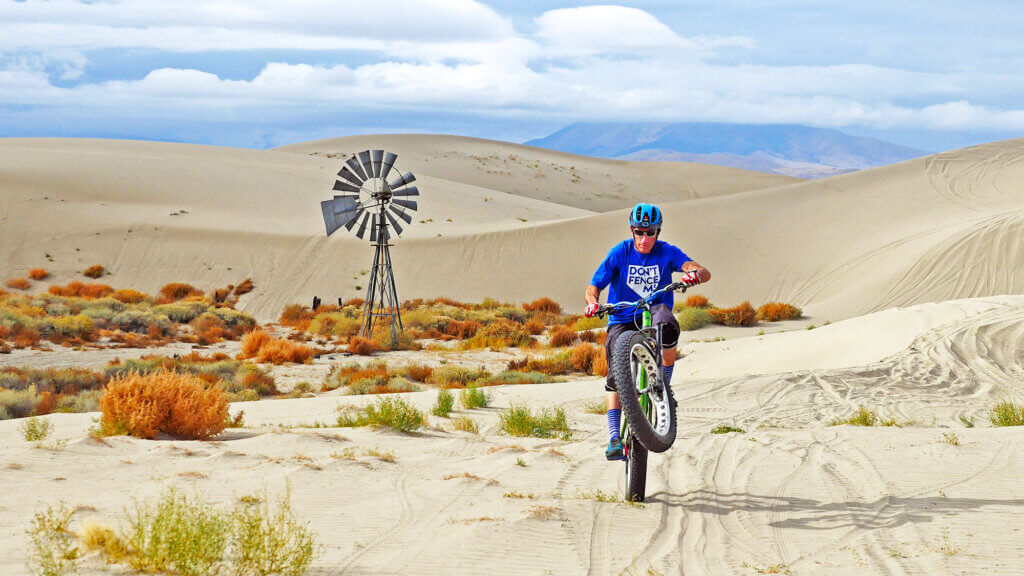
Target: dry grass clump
(253,341)
(388,412)
(181,405)
(557,364)
(465,424)
(534,327)
(375,377)
(462,329)
(94,271)
(266,348)
(454,376)
(741,315)
(52,550)
(244,287)
(1007,413)
(562,336)
(691,318)
(18,284)
(697,301)
(583,323)
(418,372)
(543,305)
(520,421)
(38,274)
(241,380)
(864,417)
(178,291)
(600,366)
(499,334)
(363,346)
(583,356)
(128,296)
(514,377)
(776,311)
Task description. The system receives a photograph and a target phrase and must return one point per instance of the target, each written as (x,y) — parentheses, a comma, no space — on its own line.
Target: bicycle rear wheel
(653,421)
(636,471)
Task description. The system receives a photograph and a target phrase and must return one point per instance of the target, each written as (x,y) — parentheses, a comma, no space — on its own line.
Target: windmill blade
(389,161)
(401,214)
(407,179)
(345,187)
(407,204)
(364,158)
(338,211)
(359,212)
(354,165)
(348,175)
(377,156)
(410,191)
(373,231)
(394,222)
(362,226)
(327,207)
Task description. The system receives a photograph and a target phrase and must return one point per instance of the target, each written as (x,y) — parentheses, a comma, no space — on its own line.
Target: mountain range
(790,149)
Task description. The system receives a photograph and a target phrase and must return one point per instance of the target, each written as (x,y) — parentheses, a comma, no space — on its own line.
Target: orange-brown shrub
(262,383)
(94,271)
(775,311)
(95,291)
(544,304)
(26,338)
(588,336)
(38,274)
(354,302)
(179,290)
(128,296)
(742,315)
(244,287)
(363,346)
(583,356)
(18,283)
(600,365)
(534,327)
(169,402)
(552,365)
(72,289)
(697,301)
(283,351)
(449,302)
(221,294)
(462,329)
(253,341)
(47,403)
(208,329)
(562,336)
(419,372)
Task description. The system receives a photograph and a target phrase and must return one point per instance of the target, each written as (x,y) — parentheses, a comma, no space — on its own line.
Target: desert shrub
(253,341)
(38,274)
(244,287)
(453,376)
(514,377)
(462,329)
(596,407)
(72,289)
(582,357)
(465,424)
(534,327)
(97,537)
(775,311)
(35,429)
(520,421)
(697,301)
(18,283)
(181,405)
(584,323)
(472,397)
(381,385)
(863,417)
(418,372)
(85,401)
(182,311)
(388,412)
(1007,413)
(691,318)
(208,328)
(52,550)
(562,336)
(600,366)
(250,377)
(543,305)
(178,291)
(500,334)
(363,346)
(347,374)
(283,352)
(267,541)
(128,296)
(94,271)
(554,365)
(334,324)
(18,403)
(725,429)
(177,534)
(741,315)
(444,403)
(96,291)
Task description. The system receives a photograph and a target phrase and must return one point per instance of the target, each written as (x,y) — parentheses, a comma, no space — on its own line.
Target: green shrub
(52,549)
(388,412)
(85,401)
(453,376)
(520,421)
(444,403)
(177,534)
(18,403)
(514,377)
(35,429)
(725,429)
(693,318)
(266,541)
(1007,413)
(864,417)
(473,397)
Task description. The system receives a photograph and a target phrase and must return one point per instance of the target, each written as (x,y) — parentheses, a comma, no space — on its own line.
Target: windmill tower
(365,199)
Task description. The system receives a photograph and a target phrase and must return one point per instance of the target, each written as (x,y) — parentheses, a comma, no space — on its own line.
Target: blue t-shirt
(633,275)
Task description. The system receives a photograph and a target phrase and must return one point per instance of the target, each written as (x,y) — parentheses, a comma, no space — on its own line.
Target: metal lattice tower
(366,197)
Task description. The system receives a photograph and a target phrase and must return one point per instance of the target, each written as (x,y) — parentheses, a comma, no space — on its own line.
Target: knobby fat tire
(635,417)
(636,472)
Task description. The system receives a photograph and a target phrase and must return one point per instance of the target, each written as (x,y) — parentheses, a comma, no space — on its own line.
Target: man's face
(644,239)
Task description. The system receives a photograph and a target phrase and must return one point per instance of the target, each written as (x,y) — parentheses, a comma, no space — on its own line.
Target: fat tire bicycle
(648,406)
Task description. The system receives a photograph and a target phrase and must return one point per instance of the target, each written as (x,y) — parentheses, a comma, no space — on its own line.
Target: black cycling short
(669,335)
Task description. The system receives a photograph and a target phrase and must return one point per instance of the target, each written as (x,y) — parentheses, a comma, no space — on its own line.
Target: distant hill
(789,149)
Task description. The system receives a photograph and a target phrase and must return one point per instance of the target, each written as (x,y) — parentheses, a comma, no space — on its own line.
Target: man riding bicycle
(636,269)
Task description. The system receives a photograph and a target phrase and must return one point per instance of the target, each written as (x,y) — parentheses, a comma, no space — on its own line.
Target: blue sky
(261,73)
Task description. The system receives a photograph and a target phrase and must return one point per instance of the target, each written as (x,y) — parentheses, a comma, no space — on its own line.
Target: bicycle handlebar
(605,309)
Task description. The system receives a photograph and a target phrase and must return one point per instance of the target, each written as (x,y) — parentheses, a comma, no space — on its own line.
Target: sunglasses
(638,232)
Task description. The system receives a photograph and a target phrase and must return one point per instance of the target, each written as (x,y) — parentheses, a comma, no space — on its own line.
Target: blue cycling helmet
(645,216)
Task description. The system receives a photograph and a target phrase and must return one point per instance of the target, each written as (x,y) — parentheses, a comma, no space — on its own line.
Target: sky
(264,73)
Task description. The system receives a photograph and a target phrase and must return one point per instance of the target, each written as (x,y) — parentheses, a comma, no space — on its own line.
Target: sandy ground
(791,493)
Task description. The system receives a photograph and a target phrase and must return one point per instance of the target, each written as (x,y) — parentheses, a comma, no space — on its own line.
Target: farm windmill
(365,199)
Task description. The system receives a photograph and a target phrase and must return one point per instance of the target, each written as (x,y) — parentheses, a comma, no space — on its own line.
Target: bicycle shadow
(810,514)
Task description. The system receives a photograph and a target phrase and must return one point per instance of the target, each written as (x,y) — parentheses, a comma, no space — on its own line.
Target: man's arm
(592,295)
(705,275)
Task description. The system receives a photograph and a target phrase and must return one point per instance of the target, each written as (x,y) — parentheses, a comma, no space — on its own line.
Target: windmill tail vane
(366,200)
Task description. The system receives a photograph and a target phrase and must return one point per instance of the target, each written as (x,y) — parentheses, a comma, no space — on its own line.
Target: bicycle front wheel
(636,471)
(647,404)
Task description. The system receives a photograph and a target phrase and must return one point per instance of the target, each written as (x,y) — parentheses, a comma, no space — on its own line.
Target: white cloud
(606,30)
